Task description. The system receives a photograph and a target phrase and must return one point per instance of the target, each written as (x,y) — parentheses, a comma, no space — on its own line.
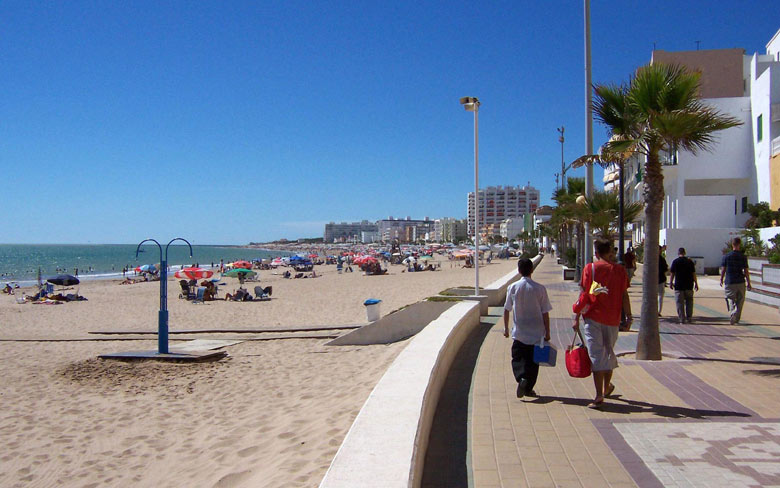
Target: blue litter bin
(372,309)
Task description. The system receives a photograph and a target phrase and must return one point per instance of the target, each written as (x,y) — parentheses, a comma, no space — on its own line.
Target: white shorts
(600,340)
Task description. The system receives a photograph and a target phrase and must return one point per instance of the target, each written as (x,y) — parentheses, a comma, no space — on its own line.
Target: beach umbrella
(63,280)
(242,264)
(240,273)
(193,273)
(146,268)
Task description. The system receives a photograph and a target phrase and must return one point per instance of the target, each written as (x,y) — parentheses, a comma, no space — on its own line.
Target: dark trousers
(523,365)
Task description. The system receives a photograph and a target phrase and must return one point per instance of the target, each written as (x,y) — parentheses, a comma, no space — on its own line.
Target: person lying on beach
(8,290)
(241,295)
(127,281)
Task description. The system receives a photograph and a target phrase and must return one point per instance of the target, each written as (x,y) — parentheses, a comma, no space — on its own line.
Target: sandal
(609,390)
(596,404)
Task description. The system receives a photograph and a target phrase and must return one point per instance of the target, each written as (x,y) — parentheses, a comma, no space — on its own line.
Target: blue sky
(230,122)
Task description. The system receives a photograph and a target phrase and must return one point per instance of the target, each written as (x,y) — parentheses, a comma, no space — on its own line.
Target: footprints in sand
(248,451)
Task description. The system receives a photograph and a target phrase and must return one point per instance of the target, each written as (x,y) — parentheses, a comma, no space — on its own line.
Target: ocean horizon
(21,262)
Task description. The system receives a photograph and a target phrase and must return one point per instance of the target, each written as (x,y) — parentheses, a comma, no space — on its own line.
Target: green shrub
(571,257)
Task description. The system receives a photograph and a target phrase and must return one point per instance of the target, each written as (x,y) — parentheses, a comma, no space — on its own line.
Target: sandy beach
(272,414)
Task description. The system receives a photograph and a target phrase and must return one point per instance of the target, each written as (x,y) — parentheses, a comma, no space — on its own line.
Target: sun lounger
(263,293)
(199,295)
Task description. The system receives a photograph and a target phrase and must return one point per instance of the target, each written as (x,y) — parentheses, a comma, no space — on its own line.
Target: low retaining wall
(386,445)
(395,326)
(387,442)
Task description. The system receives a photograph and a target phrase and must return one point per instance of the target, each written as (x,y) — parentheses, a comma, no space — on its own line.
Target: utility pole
(561,130)
(588,251)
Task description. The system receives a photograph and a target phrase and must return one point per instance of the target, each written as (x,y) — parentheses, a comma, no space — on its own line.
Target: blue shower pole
(162,315)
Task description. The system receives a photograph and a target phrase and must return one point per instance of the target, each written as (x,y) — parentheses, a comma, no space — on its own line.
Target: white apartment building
(405,230)
(346,231)
(510,228)
(449,229)
(498,203)
(706,195)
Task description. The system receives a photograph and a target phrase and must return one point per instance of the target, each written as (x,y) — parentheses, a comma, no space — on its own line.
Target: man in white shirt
(530,308)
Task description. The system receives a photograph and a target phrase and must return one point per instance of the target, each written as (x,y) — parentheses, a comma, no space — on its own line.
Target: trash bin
(372,309)
(698,262)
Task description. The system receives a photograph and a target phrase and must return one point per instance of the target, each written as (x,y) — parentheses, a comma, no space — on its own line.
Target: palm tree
(601,211)
(659,110)
(567,214)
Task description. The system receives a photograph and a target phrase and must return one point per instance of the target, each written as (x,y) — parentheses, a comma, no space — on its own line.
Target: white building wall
(761,105)
(701,189)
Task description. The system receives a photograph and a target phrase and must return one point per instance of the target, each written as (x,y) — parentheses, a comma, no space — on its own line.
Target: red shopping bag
(577,359)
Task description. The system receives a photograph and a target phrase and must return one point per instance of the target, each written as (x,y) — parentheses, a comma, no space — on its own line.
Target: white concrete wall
(761,104)
(385,447)
(768,233)
(730,158)
(708,243)
(706,211)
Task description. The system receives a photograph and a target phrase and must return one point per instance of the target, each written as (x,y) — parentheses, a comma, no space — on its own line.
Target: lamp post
(162,315)
(588,126)
(621,232)
(561,130)
(471,104)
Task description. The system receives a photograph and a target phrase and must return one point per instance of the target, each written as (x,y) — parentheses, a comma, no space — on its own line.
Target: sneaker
(690,320)
(682,321)
(531,393)
(733,320)
(522,386)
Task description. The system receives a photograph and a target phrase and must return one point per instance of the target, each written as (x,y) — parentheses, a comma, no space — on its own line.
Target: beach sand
(272,414)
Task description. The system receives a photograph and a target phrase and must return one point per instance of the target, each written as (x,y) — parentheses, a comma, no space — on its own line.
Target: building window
(760,128)
(744,204)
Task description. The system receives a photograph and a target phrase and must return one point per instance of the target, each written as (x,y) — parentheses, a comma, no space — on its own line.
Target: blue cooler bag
(545,354)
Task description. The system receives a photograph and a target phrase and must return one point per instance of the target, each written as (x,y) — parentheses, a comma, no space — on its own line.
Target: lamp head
(471,104)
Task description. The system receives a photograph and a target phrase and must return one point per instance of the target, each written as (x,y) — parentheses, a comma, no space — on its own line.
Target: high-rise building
(498,203)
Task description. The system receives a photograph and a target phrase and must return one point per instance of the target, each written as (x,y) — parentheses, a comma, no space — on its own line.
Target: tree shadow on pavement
(617,404)
(769,373)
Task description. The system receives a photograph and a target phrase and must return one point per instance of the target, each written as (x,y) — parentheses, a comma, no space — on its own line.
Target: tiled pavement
(708,415)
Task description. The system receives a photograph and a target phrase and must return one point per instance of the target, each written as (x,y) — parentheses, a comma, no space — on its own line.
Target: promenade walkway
(707,415)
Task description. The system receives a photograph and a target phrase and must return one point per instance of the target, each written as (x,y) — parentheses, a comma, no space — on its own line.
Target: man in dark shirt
(683,281)
(734,268)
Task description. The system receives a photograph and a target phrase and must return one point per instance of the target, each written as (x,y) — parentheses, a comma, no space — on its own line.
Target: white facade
(706,195)
(498,203)
(510,228)
(449,230)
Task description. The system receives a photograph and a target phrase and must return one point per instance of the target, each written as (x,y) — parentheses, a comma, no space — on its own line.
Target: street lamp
(561,130)
(471,104)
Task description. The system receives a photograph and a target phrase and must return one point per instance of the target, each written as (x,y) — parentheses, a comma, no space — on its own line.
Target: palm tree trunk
(648,344)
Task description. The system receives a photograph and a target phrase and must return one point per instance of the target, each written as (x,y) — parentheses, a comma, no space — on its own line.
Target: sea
(21,263)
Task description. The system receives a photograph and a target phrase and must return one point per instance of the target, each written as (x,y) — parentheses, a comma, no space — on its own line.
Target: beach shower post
(162,315)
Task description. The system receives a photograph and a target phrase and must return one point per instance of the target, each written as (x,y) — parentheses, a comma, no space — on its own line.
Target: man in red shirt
(602,318)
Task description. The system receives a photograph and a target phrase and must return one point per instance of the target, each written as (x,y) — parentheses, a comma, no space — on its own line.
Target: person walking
(735,271)
(530,307)
(663,267)
(683,281)
(602,318)
(629,261)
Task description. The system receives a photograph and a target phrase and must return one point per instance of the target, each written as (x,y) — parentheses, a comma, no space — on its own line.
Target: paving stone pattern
(707,416)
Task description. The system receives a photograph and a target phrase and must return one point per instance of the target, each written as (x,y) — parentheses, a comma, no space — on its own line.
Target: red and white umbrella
(194,274)
(242,264)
